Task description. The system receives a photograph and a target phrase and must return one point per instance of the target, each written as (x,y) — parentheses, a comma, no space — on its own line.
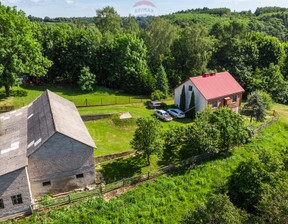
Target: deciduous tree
(20,52)
(87,80)
(107,19)
(147,137)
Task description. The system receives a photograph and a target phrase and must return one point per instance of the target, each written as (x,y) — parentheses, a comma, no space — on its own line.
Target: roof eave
(224,95)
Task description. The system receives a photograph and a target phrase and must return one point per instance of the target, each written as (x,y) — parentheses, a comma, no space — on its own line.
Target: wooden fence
(267,124)
(119,184)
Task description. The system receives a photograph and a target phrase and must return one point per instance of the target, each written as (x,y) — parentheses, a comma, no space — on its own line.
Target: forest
(138,55)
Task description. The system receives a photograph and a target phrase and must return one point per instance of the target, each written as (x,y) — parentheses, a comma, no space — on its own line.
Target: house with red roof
(215,89)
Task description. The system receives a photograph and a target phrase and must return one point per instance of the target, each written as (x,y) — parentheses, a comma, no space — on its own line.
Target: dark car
(157,105)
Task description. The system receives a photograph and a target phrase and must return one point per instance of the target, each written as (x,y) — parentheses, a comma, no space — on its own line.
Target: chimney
(206,75)
(213,73)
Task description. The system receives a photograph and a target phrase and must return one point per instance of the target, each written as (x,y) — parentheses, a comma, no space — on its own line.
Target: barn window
(235,99)
(81,175)
(215,104)
(190,88)
(17,199)
(1,204)
(47,183)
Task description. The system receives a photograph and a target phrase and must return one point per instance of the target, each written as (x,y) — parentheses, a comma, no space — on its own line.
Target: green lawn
(110,138)
(23,95)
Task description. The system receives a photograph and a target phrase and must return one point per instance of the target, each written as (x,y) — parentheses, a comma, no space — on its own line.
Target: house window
(80,175)
(190,88)
(215,104)
(47,183)
(235,99)
(1,204)
(17,199)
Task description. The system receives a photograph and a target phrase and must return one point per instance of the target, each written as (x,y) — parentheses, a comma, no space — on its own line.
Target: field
(23,95)
(168,198)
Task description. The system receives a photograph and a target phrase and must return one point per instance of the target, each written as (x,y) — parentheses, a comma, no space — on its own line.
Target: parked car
(163,115)
(157,105)
(176,113)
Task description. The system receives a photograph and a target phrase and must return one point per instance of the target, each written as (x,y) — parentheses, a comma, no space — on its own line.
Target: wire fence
(106,101)
(119,184)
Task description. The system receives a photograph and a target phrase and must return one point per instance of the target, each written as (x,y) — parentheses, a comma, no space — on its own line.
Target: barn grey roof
(26,129)
(13,141)
(49,114)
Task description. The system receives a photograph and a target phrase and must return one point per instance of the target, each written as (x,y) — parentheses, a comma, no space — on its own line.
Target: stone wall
(59,161)
(94,117)
(12,184)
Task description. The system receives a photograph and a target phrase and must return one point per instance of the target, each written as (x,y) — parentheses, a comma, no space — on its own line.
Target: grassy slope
(169,197)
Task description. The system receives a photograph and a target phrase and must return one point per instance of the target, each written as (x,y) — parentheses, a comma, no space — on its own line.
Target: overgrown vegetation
(169,198)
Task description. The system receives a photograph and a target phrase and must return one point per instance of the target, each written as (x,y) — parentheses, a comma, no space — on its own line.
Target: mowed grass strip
(23,95)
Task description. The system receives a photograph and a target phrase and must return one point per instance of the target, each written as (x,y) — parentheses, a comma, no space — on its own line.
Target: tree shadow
(123,168)
(72,90)
(14,93)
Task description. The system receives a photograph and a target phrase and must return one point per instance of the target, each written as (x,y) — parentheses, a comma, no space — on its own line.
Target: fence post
(69,200)
(123,182)
(148,175)
(86,102)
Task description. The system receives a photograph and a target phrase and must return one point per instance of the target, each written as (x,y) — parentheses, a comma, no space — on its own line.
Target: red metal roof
(144,3)
(212,87)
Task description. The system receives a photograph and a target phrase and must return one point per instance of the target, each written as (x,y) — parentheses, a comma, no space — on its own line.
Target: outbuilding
(45,148)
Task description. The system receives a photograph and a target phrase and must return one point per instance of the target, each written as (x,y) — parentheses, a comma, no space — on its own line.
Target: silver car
(176,113)
(163,115)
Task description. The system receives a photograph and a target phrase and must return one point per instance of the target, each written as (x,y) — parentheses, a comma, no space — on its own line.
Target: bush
(252,178)
(218,209)
(122,122)
(158,95)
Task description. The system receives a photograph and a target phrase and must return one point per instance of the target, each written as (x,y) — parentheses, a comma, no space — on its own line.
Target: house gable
(200,101)
(58,161)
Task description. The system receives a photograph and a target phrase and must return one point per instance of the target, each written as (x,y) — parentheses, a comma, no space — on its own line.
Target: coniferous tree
(255,107)
(162,81)
(192,112)
(183,100)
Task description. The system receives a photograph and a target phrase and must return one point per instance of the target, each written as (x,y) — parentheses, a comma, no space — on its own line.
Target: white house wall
(200,101)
